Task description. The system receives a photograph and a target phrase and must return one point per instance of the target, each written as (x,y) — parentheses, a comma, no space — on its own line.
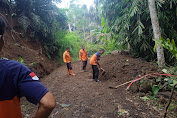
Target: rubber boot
(71,72)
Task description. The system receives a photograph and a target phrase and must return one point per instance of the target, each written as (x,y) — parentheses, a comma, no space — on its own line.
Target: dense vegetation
(110,24)
(129,21)
(39,19)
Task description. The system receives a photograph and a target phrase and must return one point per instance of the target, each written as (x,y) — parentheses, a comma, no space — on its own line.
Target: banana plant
(104,33)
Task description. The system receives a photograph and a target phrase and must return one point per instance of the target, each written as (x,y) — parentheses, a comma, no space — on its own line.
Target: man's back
(95,58)
(16,81)
(83,55)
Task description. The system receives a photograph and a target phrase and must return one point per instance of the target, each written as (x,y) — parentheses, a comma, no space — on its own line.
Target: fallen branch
(120,85)
(166,108)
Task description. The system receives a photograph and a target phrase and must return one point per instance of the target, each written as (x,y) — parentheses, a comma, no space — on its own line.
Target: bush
(74,42)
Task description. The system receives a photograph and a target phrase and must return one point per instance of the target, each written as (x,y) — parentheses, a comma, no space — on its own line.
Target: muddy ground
(81,97)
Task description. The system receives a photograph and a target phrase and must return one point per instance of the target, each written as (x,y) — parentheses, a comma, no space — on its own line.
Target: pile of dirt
(122,67)
(30,51)
(118,66)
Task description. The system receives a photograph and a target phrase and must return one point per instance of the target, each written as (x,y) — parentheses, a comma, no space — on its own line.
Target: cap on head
(102,51)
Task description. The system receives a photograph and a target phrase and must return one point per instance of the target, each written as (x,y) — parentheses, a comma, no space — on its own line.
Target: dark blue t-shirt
(17,80)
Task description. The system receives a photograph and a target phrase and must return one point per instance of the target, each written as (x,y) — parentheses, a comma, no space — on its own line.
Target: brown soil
(87,99)
(31,52)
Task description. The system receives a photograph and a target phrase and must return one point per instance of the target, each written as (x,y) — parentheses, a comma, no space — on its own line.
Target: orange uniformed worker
(94,63)
(83,56)
(16,81)
(67,60)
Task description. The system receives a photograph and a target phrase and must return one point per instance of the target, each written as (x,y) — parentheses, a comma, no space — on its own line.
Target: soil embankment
(30,50)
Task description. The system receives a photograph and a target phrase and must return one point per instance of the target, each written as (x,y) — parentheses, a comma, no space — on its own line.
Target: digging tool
(111,87)
(102,71)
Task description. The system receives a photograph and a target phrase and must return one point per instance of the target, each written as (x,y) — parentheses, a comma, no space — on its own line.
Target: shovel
(102,71)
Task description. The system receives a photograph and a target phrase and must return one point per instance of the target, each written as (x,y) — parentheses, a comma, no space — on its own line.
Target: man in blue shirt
(16,81)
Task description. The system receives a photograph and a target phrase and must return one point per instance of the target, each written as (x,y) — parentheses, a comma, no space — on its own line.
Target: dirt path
(81,97)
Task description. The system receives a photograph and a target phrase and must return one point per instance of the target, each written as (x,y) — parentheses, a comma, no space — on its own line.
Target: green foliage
(34,63)
(169,45)
(166,83)
(111,45)
(145,98)
(82,20)
(39,18)
(170,81)
(155,90)
(74,42)
(130,19)
(21,60)
(24,22)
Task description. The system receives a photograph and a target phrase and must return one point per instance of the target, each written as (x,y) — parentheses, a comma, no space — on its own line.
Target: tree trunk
(83,31)
(156,31)
(69,27)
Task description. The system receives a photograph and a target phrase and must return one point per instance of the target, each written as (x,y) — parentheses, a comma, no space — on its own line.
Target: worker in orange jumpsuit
(94,63)
(67,60)
(83,56)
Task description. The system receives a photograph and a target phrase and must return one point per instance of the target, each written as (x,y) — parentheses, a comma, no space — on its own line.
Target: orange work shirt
(94,59)
(10,108)
(83,55)
(67,57)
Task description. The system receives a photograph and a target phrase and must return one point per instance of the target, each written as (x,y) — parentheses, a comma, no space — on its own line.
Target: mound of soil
(121,68)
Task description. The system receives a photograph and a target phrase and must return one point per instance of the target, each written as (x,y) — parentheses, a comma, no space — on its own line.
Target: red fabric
(32,74)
